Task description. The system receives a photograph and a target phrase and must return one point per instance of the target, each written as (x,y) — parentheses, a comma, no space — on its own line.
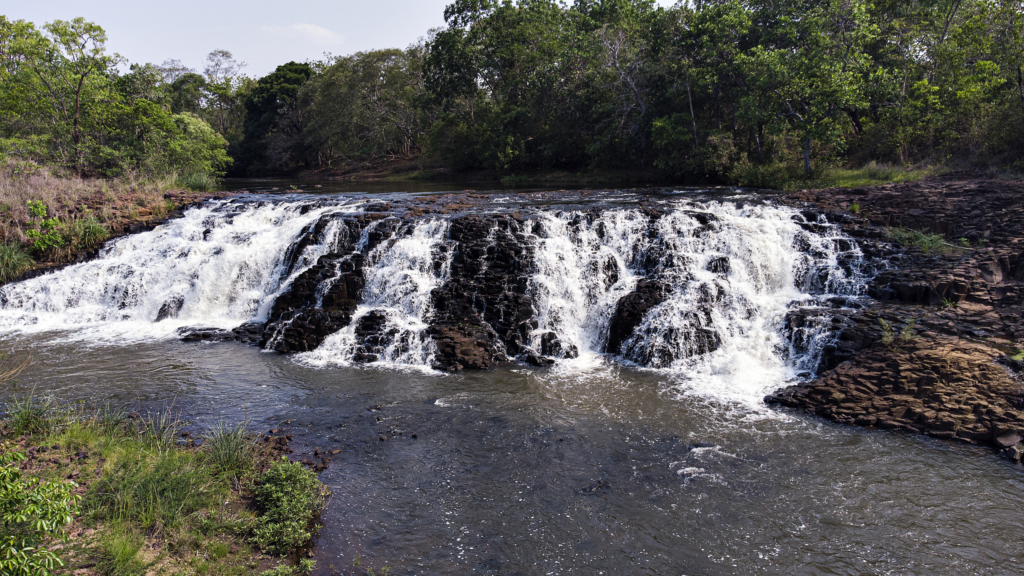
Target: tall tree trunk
(807,155)
(857,128)
(718,106)
(76,135)
(1020,83)
(693,118)
(757,141)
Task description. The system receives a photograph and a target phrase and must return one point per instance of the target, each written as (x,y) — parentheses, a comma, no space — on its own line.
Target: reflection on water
(602,470)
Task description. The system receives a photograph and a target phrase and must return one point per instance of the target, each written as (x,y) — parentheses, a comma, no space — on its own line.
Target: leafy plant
(36,209)
(45,236)
(908,331)
(855,207)
(888,333)
(289,498)
(31,513)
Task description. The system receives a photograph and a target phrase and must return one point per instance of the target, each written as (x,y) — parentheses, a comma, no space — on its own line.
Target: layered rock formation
(933,352)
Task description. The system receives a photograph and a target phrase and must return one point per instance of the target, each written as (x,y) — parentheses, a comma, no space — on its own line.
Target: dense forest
(752,92)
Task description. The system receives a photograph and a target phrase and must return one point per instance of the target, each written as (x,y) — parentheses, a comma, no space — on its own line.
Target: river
(627,463)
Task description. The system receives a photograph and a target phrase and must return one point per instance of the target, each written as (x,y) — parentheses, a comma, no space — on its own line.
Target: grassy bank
(149,498)
(49,217)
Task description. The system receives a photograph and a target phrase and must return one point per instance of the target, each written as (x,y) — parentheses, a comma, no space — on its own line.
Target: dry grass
(81,213)
(69,198)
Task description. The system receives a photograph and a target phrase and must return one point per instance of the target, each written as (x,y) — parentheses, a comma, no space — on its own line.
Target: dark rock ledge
(944,367)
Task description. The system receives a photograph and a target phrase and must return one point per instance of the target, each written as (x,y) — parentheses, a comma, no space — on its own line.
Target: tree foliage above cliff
(745,91)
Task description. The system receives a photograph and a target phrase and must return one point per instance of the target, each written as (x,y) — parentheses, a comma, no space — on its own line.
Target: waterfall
(704,291)
(726,276)
(220,265)
(390,326)
(584,265)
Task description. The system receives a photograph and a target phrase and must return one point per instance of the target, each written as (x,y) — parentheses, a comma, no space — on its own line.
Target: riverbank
(151,494)
(939,349)
(788,178)
(48,219)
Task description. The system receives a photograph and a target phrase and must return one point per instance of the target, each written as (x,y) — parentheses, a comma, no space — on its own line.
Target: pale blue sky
(262,33)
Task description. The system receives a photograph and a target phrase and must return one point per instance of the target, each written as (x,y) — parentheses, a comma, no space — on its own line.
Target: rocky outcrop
(303,317)
(945,389)
(929,354)
(483,313)
(321,300)
(630,311)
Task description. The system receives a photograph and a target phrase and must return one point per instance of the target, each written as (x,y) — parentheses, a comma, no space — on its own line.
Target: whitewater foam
(219,265)
(400,273)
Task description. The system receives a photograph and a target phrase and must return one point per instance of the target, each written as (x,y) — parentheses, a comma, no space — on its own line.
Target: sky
(261,33)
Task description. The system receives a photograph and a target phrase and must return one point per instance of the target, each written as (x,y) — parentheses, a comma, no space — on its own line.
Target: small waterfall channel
(697,289)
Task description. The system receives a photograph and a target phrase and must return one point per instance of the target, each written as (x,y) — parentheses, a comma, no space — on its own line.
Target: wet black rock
(170,309)
(482,314)
(552,346)
(630,311)
(204,334)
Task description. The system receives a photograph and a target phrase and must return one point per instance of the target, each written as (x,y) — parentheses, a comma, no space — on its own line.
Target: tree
(225,87)
(270,111)
(65,59)
(814,63)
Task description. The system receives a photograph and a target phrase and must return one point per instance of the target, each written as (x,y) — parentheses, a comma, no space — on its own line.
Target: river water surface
(590,466)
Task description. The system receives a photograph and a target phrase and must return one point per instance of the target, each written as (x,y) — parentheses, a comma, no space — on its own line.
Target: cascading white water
(733,273)
(220,265)
(582,271)
(389,326)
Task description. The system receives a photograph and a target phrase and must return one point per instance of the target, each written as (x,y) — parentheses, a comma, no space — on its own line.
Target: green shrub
(289,497)
(31,513)
(14,262)
(888,332)
(772,176)
(46,236)
(197,181)
(231,448)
